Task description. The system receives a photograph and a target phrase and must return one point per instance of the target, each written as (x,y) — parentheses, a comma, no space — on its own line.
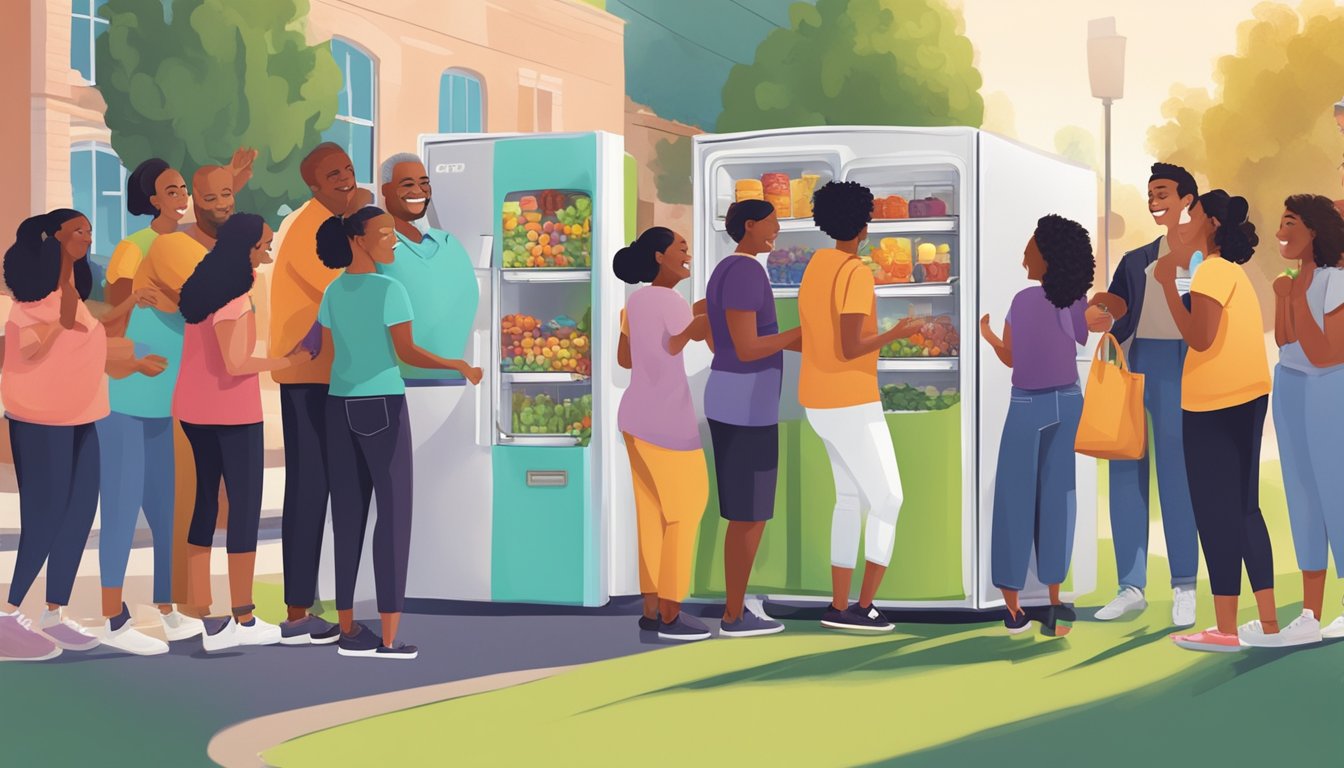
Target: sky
(1035,52)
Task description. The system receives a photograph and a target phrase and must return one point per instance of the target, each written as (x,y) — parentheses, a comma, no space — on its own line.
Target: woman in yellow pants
(661,431)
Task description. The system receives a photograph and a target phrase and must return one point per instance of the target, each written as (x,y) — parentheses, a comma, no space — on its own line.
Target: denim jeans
(1309,421)
(137,472)
(1161,362)
(1034,501)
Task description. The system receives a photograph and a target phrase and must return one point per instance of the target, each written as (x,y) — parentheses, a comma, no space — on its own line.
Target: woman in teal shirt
(366,318)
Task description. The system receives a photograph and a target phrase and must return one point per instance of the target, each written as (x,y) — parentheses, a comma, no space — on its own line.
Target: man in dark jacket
(1156,350)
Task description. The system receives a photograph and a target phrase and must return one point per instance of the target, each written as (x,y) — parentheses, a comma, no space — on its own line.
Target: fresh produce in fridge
(929,207)
(786,266)
(936,337)
(903,397)
(537,236)
(940,271)
(540,414)
(891,207)
(529,346)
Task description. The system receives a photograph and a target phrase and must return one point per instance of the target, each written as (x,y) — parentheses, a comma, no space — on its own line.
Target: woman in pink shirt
(218,401)
(54,387)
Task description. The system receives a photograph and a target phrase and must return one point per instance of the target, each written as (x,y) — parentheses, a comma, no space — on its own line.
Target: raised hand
(241,166)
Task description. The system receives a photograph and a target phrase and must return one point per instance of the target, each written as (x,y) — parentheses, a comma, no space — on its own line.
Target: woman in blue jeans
(1034,504)
(1309,400)
(366,321)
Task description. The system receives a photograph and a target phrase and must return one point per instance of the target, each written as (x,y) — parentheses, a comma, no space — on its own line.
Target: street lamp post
(1106,69)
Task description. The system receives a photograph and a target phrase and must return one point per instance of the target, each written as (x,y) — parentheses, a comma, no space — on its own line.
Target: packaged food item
(748,189)
(801,198)
(786,267)
(775,183)
(940,271)
(902,268)
(927,208)
(783,205)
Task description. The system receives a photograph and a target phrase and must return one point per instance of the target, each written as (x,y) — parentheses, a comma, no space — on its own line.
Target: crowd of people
(161,392)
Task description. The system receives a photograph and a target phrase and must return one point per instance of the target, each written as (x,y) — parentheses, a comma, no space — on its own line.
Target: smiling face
(1295,239)
(170,195)
(674,264)
(379,238)
(333,180)
(407,196)
(261,252)
(760,235)
(75,237)
(1033,260)
(1165,204)
(1200,229)
(213,198)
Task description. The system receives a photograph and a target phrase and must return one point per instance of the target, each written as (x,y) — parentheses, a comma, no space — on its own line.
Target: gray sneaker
(750,625)
(309,630)
(18,641)
(684,629)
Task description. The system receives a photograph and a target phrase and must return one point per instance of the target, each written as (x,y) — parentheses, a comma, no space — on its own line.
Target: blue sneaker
(309,630)
(402,651)
(857,617)
(648,625)
(361,642)
(750,625)
(683,629)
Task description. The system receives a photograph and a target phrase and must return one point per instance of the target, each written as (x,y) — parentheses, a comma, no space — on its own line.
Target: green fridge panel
(545,538)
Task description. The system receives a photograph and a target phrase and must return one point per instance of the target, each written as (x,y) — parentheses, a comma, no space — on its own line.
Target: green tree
(858,62)
(222,74)
(672,170)
(1268,130)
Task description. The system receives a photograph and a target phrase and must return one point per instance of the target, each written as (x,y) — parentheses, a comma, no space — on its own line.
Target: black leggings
(235,452)
(1222,461)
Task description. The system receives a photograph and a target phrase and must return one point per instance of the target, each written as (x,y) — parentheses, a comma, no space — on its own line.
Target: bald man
(297,283)
(158,330)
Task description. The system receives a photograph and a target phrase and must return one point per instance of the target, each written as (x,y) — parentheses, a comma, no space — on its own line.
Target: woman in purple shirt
(742,402)
(1034,504)
(657,419)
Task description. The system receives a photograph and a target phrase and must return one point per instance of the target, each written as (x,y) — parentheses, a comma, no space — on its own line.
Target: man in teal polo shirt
(433,267)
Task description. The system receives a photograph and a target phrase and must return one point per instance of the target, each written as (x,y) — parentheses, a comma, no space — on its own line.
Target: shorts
(746,466)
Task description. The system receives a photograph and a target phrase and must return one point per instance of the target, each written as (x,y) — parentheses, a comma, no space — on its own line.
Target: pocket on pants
(367,416)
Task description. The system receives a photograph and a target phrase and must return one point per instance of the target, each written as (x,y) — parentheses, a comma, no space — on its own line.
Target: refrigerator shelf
(547,377)
(890,364)
(539,441)
(546,275)
(890,291)
(877,226)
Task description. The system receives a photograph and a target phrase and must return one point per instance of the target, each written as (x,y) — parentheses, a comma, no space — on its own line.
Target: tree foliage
(858,62)
(672,170)
(1268,130)
(222,74)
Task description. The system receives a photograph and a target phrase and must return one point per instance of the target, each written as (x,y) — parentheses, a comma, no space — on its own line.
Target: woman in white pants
(837,308)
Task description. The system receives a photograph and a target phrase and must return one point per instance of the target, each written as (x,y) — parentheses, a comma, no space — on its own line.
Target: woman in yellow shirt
(1224,399)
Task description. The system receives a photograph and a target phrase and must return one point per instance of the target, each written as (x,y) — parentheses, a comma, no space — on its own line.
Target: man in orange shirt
(299,278)
(837,385)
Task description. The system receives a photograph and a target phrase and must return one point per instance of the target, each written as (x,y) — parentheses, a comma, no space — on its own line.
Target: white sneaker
(1183,607)
(1335,630)
(177,626)
(257,633)
(130,640)
(227,637)
(1128,600)
(1304,630)
(1253,633)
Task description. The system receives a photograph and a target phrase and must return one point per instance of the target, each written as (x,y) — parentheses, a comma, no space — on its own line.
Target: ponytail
(333,237)
(1236,238)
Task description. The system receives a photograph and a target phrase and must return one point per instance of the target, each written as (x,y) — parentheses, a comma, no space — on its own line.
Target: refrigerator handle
(484,408)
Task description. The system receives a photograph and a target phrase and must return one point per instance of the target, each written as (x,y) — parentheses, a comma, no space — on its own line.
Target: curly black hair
(226,271)
(1320,215)
(1069,262)
(638,262)
(33,263)
(842,209)
(1235,237)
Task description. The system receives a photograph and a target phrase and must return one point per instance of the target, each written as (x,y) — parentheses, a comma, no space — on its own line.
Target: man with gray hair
(433,267)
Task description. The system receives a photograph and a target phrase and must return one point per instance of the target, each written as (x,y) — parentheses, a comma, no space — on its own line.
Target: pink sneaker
(18,641)
(1209,640)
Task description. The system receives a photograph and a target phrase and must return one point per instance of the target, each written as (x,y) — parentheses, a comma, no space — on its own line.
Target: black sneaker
(402,651)
(857,617)
(310,630)
(361,642)
(684,628)
(648,625)
(1016,624)
(1058,620)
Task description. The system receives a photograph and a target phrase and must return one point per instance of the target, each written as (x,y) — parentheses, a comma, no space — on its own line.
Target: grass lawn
(925,695)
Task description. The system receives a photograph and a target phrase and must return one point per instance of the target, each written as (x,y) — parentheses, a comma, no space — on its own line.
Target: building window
(354,124)
(98,190)
(85,26)
(538,102)
(461,104)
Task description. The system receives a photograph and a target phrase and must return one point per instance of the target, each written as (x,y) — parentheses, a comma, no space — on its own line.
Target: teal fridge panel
(545,538)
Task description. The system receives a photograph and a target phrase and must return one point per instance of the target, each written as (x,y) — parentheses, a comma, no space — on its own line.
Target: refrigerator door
(1018,185)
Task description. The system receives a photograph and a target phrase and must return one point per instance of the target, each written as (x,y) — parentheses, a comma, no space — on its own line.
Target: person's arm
(1284,332)
(1198,324)
(35,341)
(696,330)
(239,360)
(414,355)
(854,344)
(1003,347)
(118,293)
(749,346)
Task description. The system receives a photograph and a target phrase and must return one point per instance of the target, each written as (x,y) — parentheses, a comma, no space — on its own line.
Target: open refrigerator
(517,478)
(955,208)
